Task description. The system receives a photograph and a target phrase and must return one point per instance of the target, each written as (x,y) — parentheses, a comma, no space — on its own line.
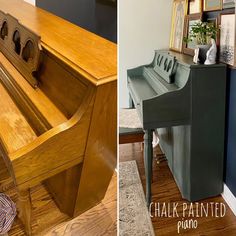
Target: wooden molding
(229,198)
(21,46)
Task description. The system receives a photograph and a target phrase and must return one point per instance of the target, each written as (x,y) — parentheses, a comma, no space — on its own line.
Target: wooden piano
(57,108)
(185,102)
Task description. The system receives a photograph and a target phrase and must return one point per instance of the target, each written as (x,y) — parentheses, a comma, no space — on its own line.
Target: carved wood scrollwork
(21,46)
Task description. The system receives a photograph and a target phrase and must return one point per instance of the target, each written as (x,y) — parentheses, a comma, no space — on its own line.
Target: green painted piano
(185,102)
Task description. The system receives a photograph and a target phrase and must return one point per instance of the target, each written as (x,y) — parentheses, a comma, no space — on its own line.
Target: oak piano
(57,108)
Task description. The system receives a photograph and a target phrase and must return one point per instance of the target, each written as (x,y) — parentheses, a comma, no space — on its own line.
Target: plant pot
(203,51)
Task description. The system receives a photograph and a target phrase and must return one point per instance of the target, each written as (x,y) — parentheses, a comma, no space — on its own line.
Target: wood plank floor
(165,191)
(48,220)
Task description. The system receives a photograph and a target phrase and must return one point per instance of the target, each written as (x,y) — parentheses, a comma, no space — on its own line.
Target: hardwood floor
(166,191)
(48,220)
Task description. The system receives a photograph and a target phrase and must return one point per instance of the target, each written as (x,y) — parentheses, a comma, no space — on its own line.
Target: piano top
(87,53)
(188,60)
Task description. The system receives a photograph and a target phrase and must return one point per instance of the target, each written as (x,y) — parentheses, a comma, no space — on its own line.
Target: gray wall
(143,27)
(94,16)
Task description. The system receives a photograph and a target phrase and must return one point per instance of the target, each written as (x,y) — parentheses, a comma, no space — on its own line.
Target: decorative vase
(203,51)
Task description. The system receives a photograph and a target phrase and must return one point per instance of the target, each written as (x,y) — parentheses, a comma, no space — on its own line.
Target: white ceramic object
(196,55)
(211,54)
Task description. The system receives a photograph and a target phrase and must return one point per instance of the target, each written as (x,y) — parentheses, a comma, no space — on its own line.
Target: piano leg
(24,208)
(131,103)
(148,157)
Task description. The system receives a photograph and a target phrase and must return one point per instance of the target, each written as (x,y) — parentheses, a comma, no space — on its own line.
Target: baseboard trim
(229,198)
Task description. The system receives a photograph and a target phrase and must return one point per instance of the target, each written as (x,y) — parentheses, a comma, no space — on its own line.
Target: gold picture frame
(212,5)
(179,11)
(190,20)
(194,6)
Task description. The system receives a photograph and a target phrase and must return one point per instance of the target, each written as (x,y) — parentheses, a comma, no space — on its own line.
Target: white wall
(144,25)
(30,1)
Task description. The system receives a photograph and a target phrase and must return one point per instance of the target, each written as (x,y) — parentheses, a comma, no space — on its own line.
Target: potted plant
(201,34)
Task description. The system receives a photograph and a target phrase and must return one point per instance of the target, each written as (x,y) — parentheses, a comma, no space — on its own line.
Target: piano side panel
(56,150)
(85,185)
(208,131)
(101,154)
(168,109)
(61,85)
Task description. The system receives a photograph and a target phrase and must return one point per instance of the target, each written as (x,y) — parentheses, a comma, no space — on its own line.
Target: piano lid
(87,53)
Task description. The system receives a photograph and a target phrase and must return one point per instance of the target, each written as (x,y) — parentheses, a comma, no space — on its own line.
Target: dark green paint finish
(148,160)
(189,113)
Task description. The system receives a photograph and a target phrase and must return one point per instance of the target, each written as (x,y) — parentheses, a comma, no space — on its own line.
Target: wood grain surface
(38,101)
(21,46)
(165,190)
(67,127)
(85,52)
(98,221)
(48,220)
(15,132)
(101,153)
(41,161)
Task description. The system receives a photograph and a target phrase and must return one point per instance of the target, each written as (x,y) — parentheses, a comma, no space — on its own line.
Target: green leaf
(201,33)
